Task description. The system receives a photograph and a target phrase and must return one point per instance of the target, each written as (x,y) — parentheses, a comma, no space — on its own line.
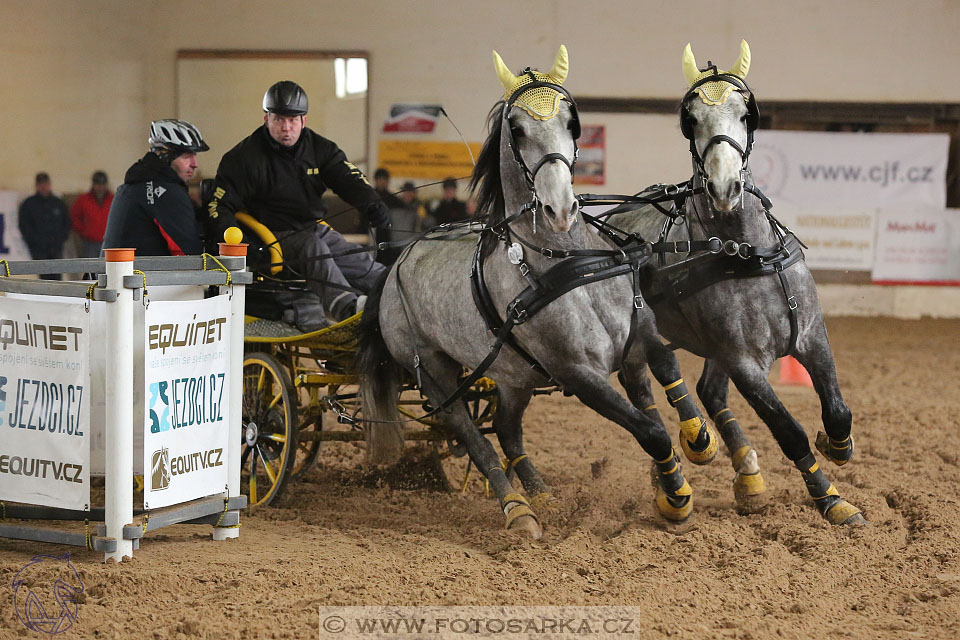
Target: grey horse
(741,325)
(424,317)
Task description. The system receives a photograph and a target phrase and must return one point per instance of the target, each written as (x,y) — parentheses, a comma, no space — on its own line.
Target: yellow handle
(276,256)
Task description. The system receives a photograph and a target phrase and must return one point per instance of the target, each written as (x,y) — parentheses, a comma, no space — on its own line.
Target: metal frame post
(237,302)
(119,400)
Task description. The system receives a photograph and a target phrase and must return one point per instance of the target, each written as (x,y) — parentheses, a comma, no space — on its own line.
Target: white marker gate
(91,364)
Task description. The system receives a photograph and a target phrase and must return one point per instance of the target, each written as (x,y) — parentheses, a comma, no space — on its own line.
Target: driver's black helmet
(285,98)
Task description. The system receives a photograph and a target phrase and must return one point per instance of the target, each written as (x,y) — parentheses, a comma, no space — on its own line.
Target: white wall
(82,79)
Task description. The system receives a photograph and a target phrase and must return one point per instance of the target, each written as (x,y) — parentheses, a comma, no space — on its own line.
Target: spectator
(448,209)
(44,223)
(152,211)
(412,217)
(381,184)
(89,214)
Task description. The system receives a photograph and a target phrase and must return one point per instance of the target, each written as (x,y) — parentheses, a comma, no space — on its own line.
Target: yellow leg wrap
(514,497)
(670,512)
(541,501)
(747,485)
(836,451)
(517,511)
(844,513)
(673,384)
(689,429)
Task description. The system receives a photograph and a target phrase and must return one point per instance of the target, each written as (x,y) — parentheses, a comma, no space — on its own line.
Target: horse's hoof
(707,453)
(748,485)
(844,513)
(674,512)
(526,524)
(838,452)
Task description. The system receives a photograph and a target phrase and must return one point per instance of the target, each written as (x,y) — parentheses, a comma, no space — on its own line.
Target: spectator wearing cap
(89,213)
(44,223)
(448,209)
(413,217)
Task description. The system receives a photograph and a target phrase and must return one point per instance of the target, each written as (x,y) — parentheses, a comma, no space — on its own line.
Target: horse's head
(719,115)
(538,131)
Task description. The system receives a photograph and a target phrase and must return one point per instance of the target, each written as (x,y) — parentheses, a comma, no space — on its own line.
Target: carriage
(301,390)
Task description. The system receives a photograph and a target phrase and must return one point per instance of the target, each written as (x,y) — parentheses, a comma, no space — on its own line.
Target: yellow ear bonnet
(714,93)
(541,103)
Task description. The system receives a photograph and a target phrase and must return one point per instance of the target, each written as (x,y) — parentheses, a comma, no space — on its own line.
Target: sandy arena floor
(782,572)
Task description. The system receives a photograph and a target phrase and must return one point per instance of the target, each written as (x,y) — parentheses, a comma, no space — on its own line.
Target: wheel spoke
(266,466)
(253,480)
(275,400)
(276,437)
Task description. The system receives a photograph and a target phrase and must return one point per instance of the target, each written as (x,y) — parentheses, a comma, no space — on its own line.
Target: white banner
(918,247)
(809,171)
(186,417)
(836,240)
(12,246)
(44,403)
(828,187)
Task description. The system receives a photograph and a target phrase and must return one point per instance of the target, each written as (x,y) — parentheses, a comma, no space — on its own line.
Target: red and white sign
(412,118)
(918,247)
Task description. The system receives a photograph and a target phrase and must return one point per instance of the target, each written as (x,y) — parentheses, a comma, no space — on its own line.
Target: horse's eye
(517,132)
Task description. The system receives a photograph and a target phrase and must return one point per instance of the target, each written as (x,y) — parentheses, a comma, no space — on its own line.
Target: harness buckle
(547,253)
(519,313)
(638,301)
(731,247)
(524,269)
(677,245)
(792,303)
(719,244)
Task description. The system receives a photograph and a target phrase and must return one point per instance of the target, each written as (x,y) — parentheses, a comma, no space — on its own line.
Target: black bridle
(531,175)
(753,118)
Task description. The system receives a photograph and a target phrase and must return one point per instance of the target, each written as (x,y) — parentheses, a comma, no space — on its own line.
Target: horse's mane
(486,174)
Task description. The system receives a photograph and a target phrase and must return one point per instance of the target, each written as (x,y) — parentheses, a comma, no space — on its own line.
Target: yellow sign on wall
(430,160)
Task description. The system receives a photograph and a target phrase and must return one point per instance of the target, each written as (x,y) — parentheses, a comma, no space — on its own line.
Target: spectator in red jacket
(89,213)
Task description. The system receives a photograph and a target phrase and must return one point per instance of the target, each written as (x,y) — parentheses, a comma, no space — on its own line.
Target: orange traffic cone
(792,372)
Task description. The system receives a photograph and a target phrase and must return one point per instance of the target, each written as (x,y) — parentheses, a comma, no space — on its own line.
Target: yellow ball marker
(233,235)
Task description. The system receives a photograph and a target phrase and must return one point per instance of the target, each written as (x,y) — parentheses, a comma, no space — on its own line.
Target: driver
(278,174)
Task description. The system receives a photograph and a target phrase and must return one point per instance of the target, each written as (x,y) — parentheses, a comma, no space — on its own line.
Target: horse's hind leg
(697,439)
(439,376)
(837,443)
(507,422)
(751,381)
(674,497)
(713,387)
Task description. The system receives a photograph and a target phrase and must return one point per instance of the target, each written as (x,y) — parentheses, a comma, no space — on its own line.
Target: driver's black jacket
(282,186)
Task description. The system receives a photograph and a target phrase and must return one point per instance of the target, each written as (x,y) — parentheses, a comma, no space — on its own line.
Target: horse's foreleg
(837,443)
(674,497)
(439,377)
(507,422)
(697,439)
(751,381)
(713,387)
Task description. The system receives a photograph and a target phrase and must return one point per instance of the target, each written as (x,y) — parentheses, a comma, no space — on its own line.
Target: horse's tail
(379,384)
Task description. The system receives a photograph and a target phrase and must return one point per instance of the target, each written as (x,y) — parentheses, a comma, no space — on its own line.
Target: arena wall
(83,79)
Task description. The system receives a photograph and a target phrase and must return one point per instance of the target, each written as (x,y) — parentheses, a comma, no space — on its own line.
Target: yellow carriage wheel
(270,433)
